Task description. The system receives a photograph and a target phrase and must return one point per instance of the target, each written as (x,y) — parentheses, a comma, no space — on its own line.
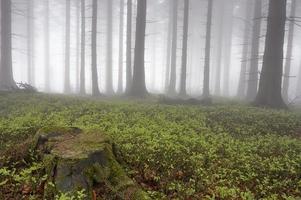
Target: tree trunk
(241,93)
(6,72)
(138,87)
(206,86)
(269,94)
(47,49)
(254,72)
(67,48)
(121,29)
(218,69)
(83,48)
(298,92)
(173,67)
(184,50)
(109,77)
(95,88)
(77,2)
(168,46)
(129,76)
(286,79)
(30,42)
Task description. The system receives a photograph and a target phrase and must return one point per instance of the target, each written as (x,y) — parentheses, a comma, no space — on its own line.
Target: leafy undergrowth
(173,152)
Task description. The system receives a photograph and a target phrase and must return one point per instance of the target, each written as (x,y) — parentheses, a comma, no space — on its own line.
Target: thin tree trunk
(6,70)
(183,91)
(173,67)
(138,87)
(67,48)
(109,77)
(298,91)
(77,45)
(121,29)
(206,86)
(241,93)
(95,88)
(168,46)
(129,76)
(47,49)
(287,68)
(269,93)
(253,73)
(83,49)
(30,42)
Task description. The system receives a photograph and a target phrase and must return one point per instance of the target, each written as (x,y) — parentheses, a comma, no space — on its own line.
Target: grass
(226,151)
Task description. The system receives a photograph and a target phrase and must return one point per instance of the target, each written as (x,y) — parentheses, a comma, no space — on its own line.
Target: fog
(231,43)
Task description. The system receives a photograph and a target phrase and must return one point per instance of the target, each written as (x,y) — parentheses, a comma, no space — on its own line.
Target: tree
(67,49)
(95,88)
(287,68)
(30,42)
(241,93)
(121,30)
(138,86)
(83,48)
(168,46)
(253,73)
(46,47)
(109,77)
(184,50)
(269,94)
(129,77)
(206,87)
(173,67)
(6,72)
(77,70)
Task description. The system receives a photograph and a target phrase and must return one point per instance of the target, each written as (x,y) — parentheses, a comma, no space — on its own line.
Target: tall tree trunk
(228,49)
(173,67)
(241,93)
(184,50)
(168,46)
(218,69)
(121,29)
(287,68)
(269,93)
(6,70)
(77,2)
(129,76)
(138,87)
(298,91)
(47,48)
(253,73)
(67,49)
(95,88)
(30,42)
(206,86)
(83,49)
(109,77)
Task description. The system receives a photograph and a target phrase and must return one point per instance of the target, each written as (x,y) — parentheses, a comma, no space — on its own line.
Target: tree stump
(77,160)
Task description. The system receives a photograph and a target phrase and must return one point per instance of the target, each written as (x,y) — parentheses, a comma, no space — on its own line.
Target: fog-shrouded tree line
(247,49)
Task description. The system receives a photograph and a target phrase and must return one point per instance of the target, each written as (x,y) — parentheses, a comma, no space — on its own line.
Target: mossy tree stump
(77,160)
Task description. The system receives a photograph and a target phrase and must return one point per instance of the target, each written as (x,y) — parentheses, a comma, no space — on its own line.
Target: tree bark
(121,29)
(129,76)
(47,49)
(30,42)
(173,67)
(287,68)
(67,48)
(168,46)
(83,49)
(269,94)
(183,83)
(95,88)
(254,71)
(109,77)
(241,93)
(206,84)
(138,87)
(6,70)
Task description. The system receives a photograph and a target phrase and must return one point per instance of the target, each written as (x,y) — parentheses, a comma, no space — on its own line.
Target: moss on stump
(77,160)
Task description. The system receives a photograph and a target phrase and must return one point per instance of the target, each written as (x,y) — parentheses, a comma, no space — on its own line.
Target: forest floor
(224,151)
